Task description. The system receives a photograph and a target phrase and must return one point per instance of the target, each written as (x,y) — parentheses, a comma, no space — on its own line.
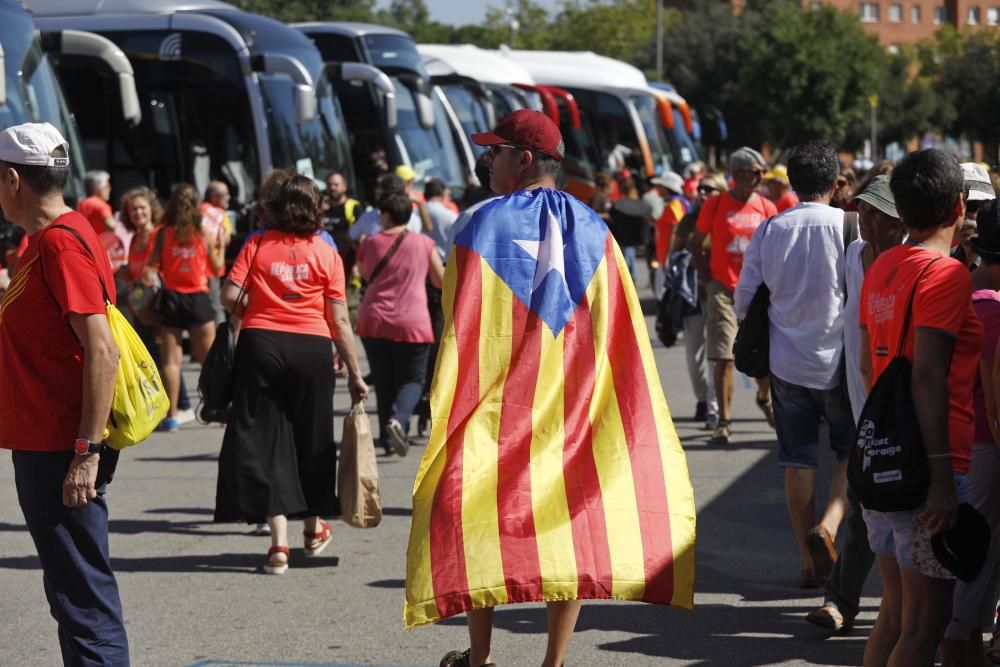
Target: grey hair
(95,180)
(547,165)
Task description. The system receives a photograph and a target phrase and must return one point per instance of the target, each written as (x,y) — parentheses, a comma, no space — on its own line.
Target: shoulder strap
(246,278)
(850,228)
(104,288)
(909,308)
(387,256)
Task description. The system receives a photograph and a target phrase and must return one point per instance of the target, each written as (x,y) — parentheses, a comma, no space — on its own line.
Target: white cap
(670,180)
(32,144)
(977,182)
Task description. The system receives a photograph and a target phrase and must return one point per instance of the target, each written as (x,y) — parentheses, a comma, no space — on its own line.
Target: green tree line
(778,73)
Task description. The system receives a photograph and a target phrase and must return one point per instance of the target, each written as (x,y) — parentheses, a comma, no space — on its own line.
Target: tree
(967,69)
(290,11)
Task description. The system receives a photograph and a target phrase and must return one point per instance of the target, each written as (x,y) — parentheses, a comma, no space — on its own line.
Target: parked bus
(426,133)
(226,95)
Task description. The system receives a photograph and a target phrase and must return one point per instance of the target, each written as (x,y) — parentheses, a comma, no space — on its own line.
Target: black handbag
(217,378)
(752,347)
(888,468)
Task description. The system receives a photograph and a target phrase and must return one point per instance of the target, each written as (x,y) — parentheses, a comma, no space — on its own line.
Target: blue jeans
(398,371)
(72,545)
(628,252)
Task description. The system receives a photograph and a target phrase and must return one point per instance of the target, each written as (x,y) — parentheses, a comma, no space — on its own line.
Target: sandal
(274,566)
(314,543)
(460,659)
(765,406)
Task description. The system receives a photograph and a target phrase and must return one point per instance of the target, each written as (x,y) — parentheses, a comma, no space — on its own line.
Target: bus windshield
(687,150)
(645,106)
(394,53)
(470,111)
(313,149)
(430,151)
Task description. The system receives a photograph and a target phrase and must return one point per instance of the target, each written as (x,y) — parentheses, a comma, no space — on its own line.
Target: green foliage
(290,11)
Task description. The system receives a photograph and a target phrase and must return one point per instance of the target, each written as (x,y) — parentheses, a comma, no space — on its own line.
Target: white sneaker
(184,416)
(397,436)
(262,529)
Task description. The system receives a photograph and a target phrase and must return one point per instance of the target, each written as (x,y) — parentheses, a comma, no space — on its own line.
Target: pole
(659,40)
(873,103)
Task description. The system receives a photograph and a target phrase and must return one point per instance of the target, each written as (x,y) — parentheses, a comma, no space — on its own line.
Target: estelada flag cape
(553,470)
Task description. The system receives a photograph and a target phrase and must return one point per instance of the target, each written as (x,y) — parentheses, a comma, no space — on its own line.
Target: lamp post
(659,40)
(873,103)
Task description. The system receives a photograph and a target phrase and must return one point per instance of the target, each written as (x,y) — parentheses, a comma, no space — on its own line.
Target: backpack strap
(909,308)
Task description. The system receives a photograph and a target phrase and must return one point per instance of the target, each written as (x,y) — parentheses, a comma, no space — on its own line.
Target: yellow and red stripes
(553,471)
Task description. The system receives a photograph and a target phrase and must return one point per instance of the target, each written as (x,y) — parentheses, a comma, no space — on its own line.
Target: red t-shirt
(673,210)
(183,265)
(138,255)
(395,303)
(41,361)
(787,201)
(731,223)
(96,211)
(943,304)
(291,279)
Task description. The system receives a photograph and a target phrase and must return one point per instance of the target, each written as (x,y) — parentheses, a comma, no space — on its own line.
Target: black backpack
(752,347)
(888,469)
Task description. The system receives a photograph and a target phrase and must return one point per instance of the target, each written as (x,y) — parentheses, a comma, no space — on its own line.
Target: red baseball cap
(528,129)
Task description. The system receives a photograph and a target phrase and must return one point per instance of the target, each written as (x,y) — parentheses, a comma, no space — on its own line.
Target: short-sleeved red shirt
(731,223)
(942,304)
(289,282)
(184,266)
(96,211)
(41,361)
(787,201)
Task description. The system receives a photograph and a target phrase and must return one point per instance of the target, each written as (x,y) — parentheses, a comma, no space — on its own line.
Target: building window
(974,16)
(939,15)
(915,14)
(895,13)
(868,12)
(993,16)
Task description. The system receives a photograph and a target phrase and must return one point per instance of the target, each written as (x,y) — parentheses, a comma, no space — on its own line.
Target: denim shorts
(797,414)
(902,536)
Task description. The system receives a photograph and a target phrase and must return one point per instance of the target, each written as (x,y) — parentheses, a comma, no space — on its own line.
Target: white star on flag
(548,253)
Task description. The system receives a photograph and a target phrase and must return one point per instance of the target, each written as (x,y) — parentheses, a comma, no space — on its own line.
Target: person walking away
(215,224)
(59,359)
(943,343)
(181,254)
(728,220)
(974,602)
(707,406)
(538,270)
(779,189)
(675,206)
(394,321)
(95,207)
(631,219)
(370,222)
(881,229)
(278,458)
(806,347)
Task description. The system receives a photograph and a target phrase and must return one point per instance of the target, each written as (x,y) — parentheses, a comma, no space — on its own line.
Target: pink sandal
(315,542)
(274,566)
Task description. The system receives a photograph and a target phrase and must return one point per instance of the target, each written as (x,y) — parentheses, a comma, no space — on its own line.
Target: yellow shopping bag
(140,401)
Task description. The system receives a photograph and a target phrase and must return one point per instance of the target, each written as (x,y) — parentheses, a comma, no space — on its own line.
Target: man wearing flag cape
(553,472)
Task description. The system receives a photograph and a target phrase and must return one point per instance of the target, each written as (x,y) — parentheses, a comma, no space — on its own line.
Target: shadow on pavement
(241,563)
(387,583)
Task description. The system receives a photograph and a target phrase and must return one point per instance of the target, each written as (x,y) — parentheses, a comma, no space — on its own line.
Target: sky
(463,12)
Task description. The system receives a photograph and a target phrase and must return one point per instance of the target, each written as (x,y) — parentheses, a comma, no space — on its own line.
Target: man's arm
(100,369)
(929,387)
(696,246)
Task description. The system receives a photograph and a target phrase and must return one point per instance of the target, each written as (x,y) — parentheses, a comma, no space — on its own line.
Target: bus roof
(349,29)
(109,7)
(476,63)
(577,68)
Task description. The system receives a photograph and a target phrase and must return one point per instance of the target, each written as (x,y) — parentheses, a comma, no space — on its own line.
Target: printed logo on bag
(887,476)
(873,446)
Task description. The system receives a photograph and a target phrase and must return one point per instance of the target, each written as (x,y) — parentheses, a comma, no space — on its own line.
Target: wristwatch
(83,447)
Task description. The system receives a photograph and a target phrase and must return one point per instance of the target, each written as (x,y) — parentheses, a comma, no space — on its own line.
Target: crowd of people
(903,262)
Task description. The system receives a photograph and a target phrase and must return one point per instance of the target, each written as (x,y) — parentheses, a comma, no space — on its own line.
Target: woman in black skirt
(278,458)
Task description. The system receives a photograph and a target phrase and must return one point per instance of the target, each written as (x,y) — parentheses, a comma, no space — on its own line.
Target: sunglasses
(841,182)
(755,172)
(707,189)
(496,148)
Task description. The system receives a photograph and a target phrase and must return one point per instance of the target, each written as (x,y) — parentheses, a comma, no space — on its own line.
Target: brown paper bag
(357,474)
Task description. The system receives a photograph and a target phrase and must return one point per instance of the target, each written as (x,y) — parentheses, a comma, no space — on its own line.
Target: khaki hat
(878,194)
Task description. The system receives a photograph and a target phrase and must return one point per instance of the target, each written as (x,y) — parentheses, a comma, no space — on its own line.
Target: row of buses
(158,92)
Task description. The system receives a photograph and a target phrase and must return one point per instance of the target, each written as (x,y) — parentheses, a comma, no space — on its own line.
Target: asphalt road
(193,595)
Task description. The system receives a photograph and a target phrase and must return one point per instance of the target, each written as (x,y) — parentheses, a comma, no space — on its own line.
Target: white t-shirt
(442,218)
(855,274)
